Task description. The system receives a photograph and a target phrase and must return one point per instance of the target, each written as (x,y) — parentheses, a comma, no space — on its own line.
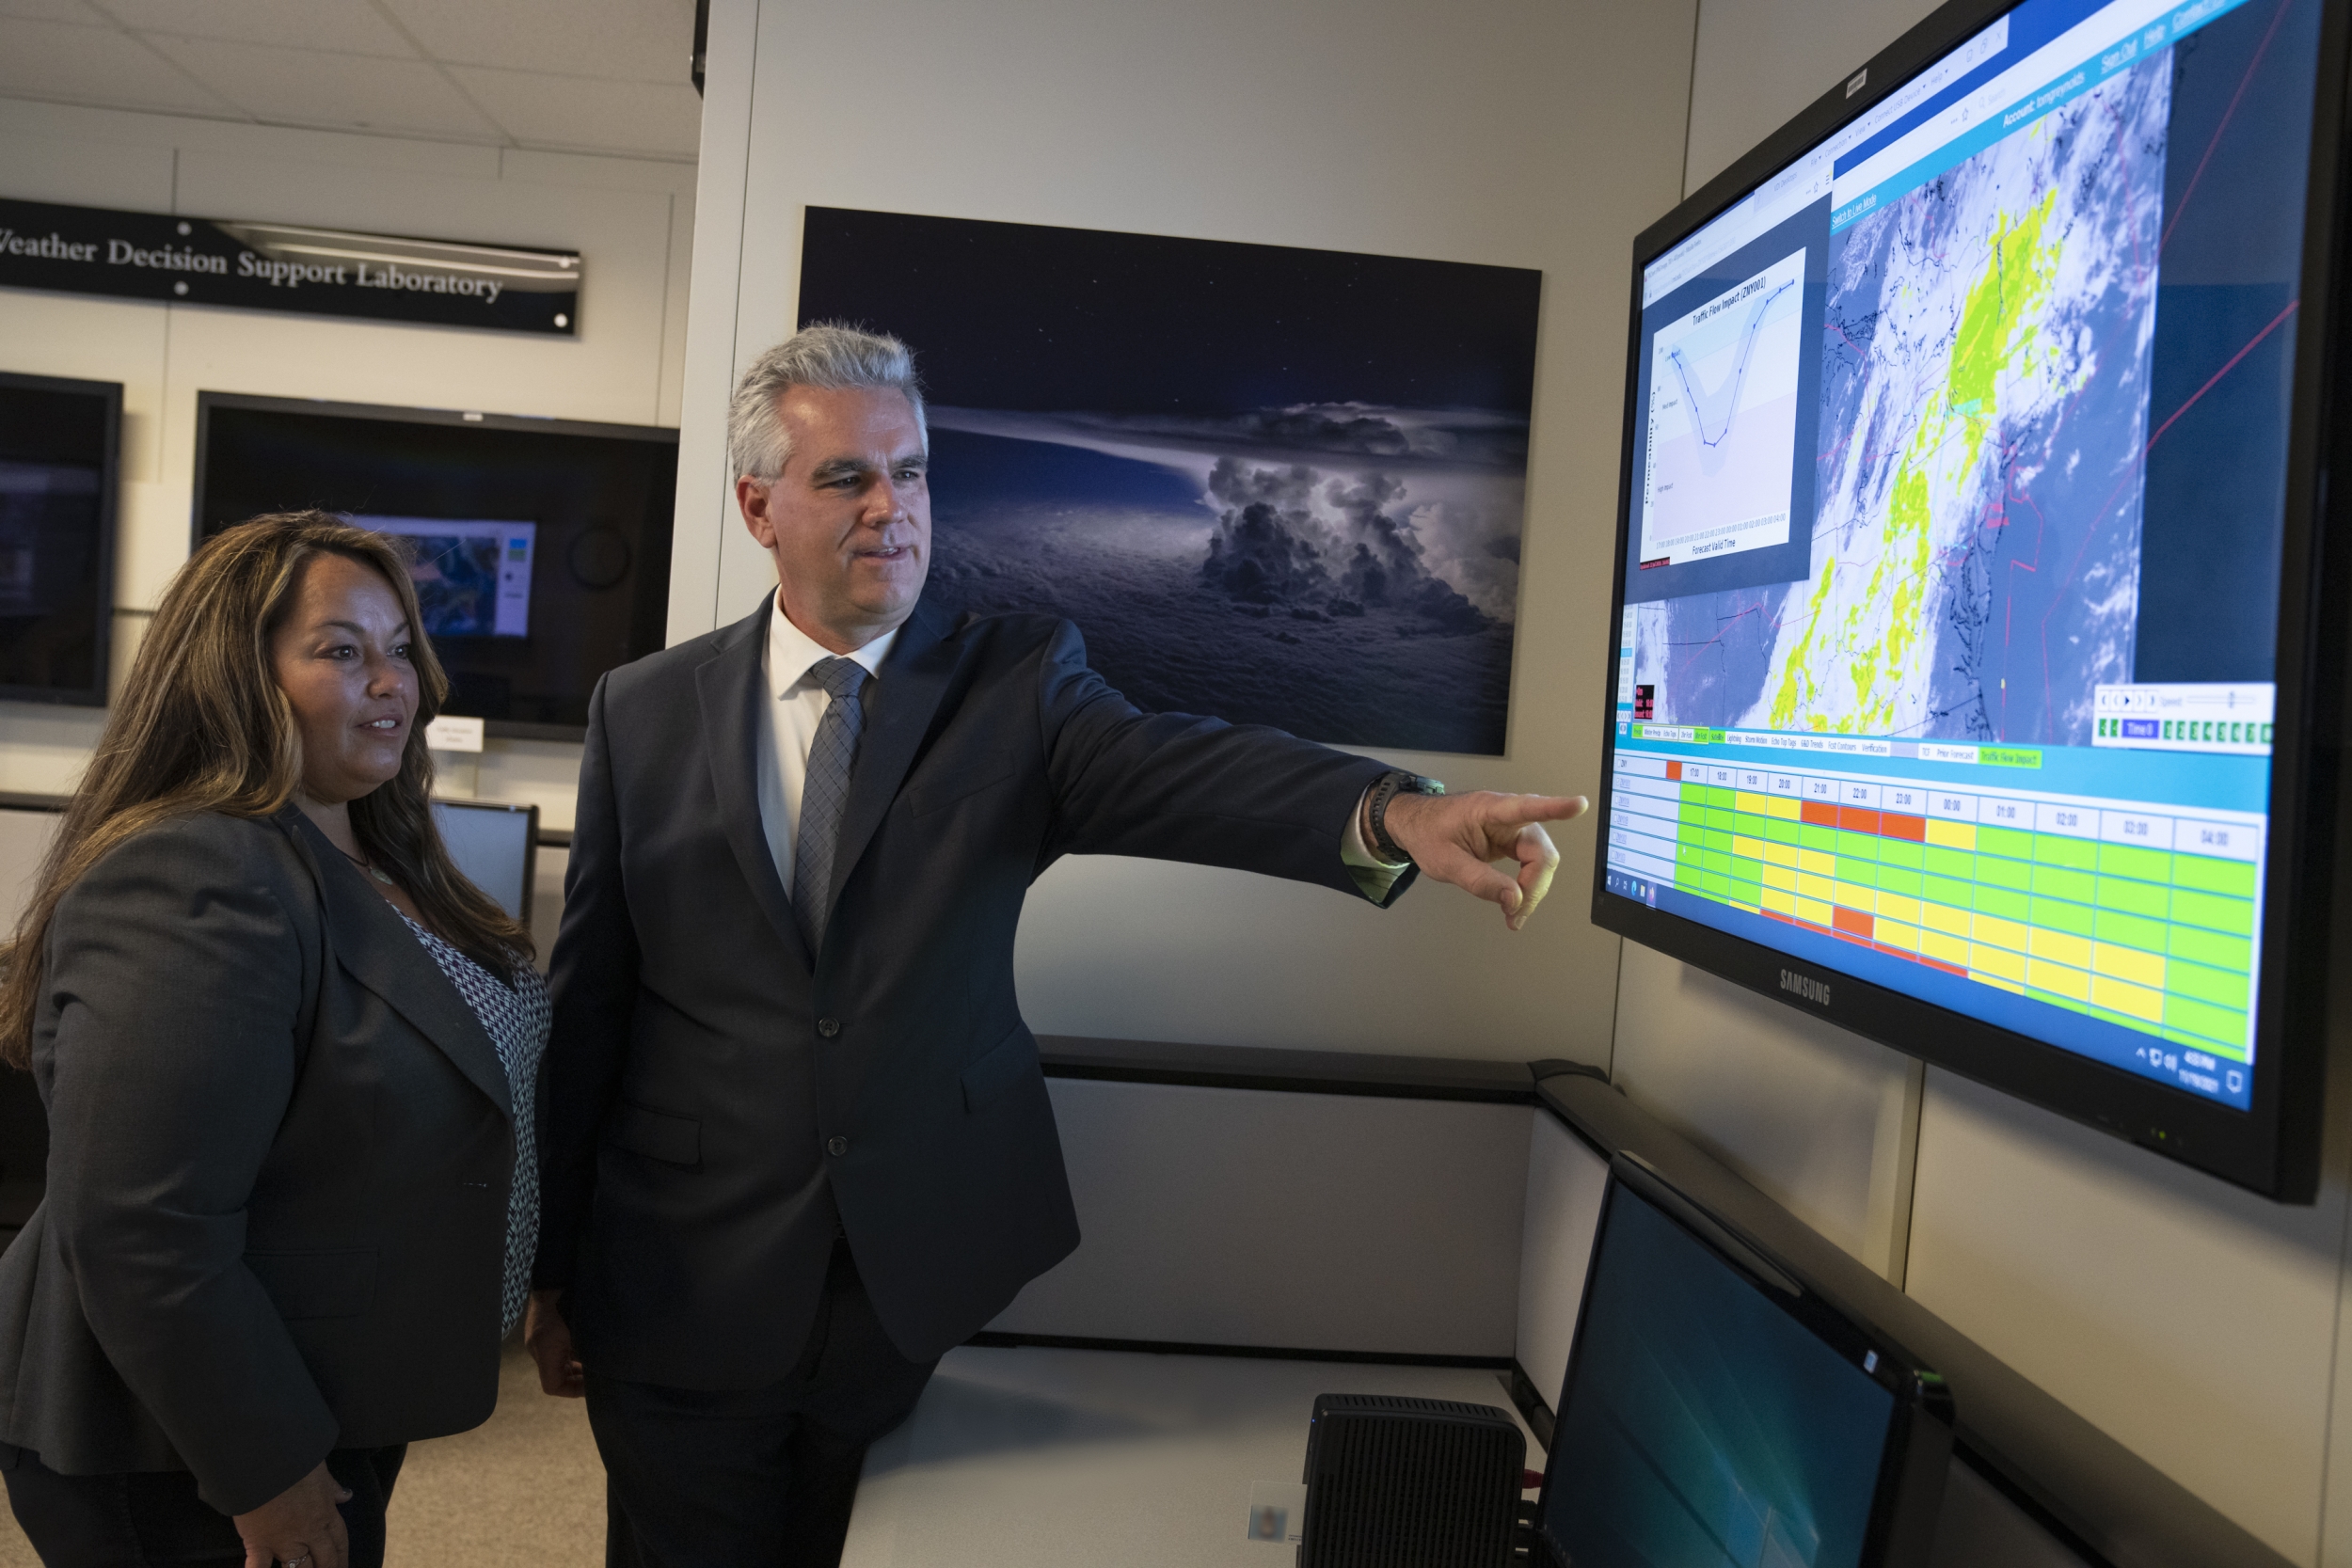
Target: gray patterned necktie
(826,793)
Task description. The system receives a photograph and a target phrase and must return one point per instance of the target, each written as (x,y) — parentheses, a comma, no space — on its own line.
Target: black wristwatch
(1393,784)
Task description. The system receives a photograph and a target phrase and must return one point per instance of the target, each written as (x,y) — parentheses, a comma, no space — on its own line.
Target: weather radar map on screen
(472,576)
(1952,573)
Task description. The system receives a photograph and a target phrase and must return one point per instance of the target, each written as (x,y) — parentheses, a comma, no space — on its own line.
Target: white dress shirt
(788,728)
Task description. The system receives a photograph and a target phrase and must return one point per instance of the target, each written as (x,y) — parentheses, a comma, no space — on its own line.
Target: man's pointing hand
(1454,837)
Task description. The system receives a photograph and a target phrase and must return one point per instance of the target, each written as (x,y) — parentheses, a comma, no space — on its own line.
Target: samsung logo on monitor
(1816,991)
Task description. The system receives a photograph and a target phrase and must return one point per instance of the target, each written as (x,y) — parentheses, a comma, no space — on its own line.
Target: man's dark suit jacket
(280,1151)
(716,1093)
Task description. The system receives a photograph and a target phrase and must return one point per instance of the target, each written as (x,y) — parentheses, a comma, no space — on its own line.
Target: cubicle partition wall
(1278,1202)
(1389,1211)
(1566,1179)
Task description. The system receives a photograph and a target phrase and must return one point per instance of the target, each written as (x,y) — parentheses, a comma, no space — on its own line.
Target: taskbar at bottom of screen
(2175,1066)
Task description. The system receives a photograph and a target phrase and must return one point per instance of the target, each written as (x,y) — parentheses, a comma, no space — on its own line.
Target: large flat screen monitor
(1976,669)
(1715,1411)
(542,547)
(60,444)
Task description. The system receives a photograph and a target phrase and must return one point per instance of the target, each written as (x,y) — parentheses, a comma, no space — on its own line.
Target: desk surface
(1037,1458)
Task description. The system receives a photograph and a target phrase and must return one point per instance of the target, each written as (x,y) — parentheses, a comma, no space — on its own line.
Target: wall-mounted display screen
(1962,670)
(541,546)
(59,454)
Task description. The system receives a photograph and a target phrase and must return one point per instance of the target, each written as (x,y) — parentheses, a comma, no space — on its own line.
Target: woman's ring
(296,1561)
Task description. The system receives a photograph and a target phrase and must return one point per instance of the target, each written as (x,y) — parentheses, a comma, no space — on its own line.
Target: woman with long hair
(288,1053)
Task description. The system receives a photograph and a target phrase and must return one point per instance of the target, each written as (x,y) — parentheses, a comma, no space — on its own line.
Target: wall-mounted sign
(279,266)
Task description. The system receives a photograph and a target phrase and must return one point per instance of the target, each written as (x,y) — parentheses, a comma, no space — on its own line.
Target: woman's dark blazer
(279,1151)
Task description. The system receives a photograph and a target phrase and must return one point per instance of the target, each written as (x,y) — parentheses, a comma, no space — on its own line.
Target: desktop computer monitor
(1718,1411)
(496,845)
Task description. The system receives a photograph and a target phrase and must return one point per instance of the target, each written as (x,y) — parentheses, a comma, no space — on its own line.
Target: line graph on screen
(1723,417)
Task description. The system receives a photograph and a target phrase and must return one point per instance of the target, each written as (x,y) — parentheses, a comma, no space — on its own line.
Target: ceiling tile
(66,64)
(52,10)
(649,120)
(633,40)
(347,92)
(346,26)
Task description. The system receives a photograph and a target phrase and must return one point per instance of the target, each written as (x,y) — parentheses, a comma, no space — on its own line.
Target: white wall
(1465,132)
(1822,1120)
(632,221)
(2196,1324)
(1566,1181)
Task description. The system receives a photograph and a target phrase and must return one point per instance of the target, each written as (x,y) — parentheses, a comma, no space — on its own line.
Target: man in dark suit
(799,1142)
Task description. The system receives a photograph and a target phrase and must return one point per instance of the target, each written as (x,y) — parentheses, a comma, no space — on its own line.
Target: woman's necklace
(369,866)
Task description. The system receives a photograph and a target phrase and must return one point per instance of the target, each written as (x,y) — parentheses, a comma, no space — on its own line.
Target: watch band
(1393,784)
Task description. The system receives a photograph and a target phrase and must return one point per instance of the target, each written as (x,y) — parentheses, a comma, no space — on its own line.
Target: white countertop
(1037,1458)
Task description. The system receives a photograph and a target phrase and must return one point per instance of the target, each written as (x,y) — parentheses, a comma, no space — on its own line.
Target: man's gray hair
(831,356)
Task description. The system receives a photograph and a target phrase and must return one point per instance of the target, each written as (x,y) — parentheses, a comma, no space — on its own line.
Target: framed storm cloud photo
(1278,485)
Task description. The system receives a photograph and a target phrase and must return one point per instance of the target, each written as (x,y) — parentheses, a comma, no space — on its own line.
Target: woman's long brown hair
(201,725)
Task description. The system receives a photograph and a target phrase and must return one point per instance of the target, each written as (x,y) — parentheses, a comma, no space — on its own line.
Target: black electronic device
(1716,1410)
(61,460)
(23,1151)
(1400,1482)
(1978,668)
(542,545)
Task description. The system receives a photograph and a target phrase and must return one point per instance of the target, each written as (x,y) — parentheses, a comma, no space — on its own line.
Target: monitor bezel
(1919,1424)
(459,418)
(109,393)
(2274,1147)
